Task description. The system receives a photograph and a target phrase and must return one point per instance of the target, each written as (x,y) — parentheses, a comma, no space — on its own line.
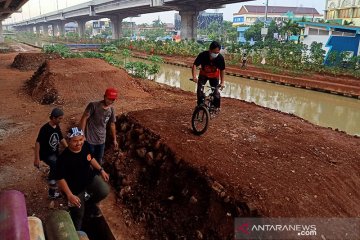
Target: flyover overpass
(7,7)
(118,10)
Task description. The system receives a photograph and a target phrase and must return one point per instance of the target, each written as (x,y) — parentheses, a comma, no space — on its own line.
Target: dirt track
(274,163)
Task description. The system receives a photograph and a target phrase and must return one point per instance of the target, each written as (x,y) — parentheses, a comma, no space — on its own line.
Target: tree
(317,54)
(229,32)
(290,28)
(157,30)
(158,24)
(220,32)
(254,32)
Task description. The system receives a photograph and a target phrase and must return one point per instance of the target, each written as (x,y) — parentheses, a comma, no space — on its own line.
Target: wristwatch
(100,170)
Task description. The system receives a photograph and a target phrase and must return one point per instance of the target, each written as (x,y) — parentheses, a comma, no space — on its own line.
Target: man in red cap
(94,120)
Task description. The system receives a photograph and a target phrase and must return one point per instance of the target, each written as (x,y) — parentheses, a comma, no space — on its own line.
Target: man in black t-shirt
(77,176)
(47,147)
(212,69)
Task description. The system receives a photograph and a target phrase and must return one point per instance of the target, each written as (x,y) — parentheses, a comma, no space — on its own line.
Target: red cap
(111,93)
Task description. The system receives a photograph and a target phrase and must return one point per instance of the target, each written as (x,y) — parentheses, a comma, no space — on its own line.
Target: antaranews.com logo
(300,230)
(297,228)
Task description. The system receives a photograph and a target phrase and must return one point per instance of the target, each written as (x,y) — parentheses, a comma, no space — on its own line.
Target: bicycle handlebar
(218,86)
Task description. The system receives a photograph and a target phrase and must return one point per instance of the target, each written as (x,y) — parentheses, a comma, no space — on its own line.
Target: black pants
(51,162)
(98,189)
(243,63)
(214,82)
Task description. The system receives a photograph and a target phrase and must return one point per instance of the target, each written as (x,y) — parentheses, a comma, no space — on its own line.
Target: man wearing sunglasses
(94,120)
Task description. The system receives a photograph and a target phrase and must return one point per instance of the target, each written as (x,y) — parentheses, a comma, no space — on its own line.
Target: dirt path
(277,164)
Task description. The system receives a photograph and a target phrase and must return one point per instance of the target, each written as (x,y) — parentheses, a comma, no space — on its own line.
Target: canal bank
(338,85)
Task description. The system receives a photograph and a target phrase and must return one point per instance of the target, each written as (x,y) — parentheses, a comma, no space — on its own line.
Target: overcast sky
(33,7)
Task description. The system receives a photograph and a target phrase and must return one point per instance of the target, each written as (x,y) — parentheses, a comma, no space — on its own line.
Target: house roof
(332,27)
(251,9)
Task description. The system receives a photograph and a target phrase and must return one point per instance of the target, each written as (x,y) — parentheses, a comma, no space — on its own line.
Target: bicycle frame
(209,99)
(205,111)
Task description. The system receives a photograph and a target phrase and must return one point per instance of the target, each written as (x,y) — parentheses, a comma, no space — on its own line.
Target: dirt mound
(79,80)
(174,199)
(32,61)
(251,162)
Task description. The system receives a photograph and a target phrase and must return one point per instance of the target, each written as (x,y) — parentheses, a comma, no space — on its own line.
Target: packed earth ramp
(64,80)
(279,164)
(32,61)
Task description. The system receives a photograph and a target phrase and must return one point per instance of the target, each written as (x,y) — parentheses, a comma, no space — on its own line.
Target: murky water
(319,108)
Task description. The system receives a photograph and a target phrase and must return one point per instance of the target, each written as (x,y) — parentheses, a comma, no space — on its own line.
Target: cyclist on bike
(212,69)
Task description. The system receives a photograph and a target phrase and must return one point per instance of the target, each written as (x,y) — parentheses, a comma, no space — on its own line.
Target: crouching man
(78,176)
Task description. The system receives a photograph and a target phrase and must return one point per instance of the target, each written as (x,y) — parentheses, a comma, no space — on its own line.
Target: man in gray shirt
(94,121)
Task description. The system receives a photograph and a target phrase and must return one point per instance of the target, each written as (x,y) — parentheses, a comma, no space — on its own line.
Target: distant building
(249,14)
(99,26)
(333,37)
(241,34)
(343,12)
(71,27)
(204,19)
(169,27)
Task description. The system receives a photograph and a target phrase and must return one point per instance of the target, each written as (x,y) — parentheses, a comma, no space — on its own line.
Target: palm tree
(290,28)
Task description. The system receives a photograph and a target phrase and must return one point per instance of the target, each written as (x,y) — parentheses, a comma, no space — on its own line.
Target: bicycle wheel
(200,120)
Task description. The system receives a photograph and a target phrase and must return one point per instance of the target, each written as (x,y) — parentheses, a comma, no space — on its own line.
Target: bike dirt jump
(167,182)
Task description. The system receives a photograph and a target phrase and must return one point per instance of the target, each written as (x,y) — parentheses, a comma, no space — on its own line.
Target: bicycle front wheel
(200,120)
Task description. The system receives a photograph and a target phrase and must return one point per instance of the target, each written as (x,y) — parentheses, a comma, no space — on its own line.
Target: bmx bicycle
(205,111)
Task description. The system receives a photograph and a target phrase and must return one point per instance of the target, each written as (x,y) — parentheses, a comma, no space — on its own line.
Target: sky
(33,8)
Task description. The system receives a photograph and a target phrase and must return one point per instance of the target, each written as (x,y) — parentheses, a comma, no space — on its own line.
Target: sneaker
(87,196)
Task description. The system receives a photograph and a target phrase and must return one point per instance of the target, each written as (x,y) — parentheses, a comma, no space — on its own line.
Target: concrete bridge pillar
(30,29)
(45,29)
(37,29)
(188,24)
(52,29)
(55,29)
(81,27)
(116,27)
(59,28)
(1,33)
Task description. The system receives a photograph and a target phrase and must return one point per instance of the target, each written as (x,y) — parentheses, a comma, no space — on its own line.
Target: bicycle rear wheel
(200,120)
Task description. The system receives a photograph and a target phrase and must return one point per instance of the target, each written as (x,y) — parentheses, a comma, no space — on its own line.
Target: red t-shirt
(210,68)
